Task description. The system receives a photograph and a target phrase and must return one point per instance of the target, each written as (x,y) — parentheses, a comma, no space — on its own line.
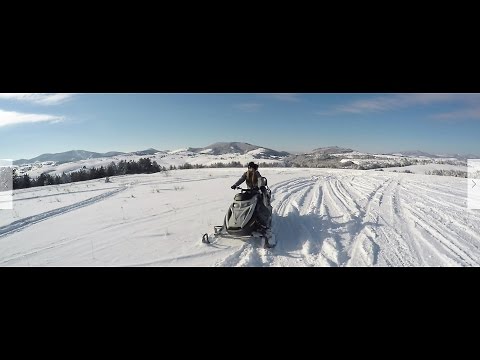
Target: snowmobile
(249,216)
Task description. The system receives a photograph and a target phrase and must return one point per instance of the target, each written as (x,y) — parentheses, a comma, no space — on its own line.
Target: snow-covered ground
(322,217)
(422,169)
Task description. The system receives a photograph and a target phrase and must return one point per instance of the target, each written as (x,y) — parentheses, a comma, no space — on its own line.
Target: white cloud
(248,107)
(397,101)
(373,105)
(460,115)
(291,97)
(38,98)
(13,118)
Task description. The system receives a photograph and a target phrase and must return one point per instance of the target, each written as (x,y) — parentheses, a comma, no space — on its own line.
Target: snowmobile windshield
(245,196)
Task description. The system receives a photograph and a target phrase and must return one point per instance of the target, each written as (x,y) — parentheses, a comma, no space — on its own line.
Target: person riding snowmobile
(251,176)
(254,181)
(250,214)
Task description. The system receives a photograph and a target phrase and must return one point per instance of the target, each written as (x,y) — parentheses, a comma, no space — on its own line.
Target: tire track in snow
(460,203)
(303,231)
(393,243)
(453,219)
(296,196)
(367,220)
(58,194)
(364,247)
(437,236)
(284,194)
(438,226)
(249,254)
(447,222)
(51,246)
(21,224)
(354,240)
(378,241)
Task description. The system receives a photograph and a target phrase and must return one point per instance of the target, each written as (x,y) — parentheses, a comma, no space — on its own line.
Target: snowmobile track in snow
(366,220)
(19,225)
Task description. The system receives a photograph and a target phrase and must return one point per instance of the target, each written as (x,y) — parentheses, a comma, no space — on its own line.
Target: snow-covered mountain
(222,148)
(150,151)
(238,148)
(219,148)
(460,156)
(225,153)
(331,150)
(414,153)
(219,153)
(67,156)
(408,161)
(418,153)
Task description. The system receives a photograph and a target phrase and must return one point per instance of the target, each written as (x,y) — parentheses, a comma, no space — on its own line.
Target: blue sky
(33,124)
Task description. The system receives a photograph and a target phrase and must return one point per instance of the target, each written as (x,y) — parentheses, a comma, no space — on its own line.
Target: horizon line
(288,151)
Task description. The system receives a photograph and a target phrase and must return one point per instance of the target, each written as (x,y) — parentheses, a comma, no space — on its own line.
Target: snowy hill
(418,153)
(331,150)
(228,152)
(222,148)
(67,156)
(340,158)
(321,217)
(150,151)
(217,153)
(415,153)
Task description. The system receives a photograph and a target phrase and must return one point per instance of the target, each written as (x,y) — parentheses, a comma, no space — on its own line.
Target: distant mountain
(331,150)
(150,151)
(414,153)
(460,156)
(73,155)
(418,153)
(112,153)
(221,148)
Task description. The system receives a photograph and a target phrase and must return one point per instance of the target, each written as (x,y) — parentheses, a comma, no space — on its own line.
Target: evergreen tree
(41,180)
(112,169)
(155,167)
(26,181)
(101,173)
(93,174)
(122,168)
(65,178)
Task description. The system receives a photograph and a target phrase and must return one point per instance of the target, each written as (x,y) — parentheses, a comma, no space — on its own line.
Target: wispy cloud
(38,98)
(248,107)
(458,116)
(13,118)
(397,101)
(290,97)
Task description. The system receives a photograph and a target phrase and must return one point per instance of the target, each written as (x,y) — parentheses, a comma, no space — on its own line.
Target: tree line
(142,166)
(232,164)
